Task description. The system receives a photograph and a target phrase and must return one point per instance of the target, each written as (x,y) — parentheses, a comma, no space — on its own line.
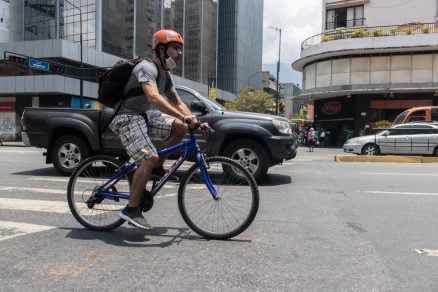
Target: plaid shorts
(135,134)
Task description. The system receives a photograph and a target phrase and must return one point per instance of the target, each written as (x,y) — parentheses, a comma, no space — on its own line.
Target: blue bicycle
(218,198)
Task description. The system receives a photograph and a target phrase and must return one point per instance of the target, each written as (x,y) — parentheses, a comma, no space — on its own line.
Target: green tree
(250,100)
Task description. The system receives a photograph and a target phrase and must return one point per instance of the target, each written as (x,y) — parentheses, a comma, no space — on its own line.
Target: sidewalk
(338,155)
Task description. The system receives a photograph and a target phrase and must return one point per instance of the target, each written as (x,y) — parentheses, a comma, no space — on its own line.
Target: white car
(406,139)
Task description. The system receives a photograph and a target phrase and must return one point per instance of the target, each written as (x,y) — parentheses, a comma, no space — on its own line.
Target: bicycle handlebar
(196,126)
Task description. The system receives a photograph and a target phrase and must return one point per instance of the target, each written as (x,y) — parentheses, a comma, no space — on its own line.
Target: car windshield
(382,132)
(211,102)
(399,119)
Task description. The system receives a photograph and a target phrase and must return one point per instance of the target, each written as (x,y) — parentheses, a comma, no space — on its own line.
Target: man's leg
(162,125)
(140,180)
(177,133)
(132,131)
(132,212)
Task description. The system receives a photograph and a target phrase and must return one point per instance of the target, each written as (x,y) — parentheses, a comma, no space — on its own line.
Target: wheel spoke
(91,211)
(235,207)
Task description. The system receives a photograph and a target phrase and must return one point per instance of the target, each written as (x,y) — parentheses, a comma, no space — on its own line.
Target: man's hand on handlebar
(193,122)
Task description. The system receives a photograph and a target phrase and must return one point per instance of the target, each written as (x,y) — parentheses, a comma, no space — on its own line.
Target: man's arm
(176,101)
(157,100)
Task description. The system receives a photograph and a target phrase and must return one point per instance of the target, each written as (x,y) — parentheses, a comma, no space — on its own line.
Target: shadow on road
(48,171)
(275,179)
(135,237)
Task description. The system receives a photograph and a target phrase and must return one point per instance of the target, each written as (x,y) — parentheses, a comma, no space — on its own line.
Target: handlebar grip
(187,120)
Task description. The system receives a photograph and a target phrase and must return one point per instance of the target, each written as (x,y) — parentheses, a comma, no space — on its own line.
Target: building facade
(240,44)
(68,41)
(373,59)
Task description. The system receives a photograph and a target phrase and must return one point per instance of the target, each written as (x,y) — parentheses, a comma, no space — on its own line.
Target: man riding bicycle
(157,112)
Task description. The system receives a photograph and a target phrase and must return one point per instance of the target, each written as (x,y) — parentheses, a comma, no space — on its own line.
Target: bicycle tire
(92,212)
(229,215)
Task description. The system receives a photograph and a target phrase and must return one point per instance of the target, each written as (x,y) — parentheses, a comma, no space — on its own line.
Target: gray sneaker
(134,217)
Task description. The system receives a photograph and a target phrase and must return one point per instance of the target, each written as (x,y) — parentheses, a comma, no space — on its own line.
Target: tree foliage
(250,100)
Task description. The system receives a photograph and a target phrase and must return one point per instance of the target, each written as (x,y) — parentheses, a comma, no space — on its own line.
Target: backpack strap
(132,92)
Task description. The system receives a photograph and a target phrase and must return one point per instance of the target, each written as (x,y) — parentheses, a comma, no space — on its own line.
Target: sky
(298,20)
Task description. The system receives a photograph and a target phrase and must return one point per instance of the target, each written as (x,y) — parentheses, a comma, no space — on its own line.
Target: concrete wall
(396,69)
(61,49)
(388,12)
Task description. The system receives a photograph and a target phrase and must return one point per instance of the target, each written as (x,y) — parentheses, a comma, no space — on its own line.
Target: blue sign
(39,65)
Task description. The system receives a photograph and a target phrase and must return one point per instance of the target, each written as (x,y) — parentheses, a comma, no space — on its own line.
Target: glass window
(344,17)
(186,97)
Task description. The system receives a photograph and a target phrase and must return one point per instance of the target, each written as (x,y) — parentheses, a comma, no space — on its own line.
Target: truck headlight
(282,126)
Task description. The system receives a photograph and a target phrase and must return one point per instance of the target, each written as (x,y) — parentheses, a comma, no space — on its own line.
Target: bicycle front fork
(203,166)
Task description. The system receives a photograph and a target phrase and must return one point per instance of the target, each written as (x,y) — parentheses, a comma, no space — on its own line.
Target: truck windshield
(400,118)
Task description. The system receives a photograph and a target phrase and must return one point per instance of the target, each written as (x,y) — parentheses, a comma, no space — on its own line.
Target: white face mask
(170,63)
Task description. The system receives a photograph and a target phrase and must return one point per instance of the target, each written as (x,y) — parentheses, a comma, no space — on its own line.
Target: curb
(12,144)
(388,158)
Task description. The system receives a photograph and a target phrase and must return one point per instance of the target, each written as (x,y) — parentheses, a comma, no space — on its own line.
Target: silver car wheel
(69,155)
(248,158)
(370,150)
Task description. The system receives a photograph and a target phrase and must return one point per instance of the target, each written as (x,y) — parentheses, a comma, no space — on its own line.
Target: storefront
(355,115)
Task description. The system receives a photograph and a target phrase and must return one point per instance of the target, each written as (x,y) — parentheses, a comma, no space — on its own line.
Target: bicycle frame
(190,146)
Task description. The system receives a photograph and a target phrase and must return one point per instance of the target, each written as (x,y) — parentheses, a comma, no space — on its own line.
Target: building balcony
(400,58)
(368,40)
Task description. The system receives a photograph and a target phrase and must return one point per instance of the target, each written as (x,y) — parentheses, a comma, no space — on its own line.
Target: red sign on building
(331,107)
(7,106)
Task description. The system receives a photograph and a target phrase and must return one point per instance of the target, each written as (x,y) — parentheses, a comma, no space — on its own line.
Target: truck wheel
(251,155)
(67,152)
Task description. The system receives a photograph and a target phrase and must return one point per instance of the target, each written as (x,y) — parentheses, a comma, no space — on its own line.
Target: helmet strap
(163,56)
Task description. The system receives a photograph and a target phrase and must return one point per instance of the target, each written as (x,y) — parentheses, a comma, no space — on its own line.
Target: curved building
(373,59)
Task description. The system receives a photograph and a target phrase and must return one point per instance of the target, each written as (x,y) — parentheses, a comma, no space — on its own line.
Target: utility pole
(278,70)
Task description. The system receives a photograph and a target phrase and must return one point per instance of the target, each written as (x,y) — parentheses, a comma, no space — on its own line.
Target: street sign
(212,93)
(39,65)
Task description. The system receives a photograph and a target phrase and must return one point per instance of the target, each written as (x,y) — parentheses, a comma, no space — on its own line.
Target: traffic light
(282,105)
(17,60)
(58,68)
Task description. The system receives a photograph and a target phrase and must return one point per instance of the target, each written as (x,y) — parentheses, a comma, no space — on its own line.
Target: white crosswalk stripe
(34,205)
(10,229)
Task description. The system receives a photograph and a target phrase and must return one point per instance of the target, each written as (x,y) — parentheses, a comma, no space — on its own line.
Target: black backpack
(112,83)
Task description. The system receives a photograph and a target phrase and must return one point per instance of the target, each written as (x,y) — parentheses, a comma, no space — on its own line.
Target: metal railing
(375,31)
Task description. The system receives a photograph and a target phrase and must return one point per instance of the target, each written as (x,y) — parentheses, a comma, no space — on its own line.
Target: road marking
(400,193)
(36,190)
(18,151)
(65,180)
(34,205)
(10,229)
(428,252)
(395,173)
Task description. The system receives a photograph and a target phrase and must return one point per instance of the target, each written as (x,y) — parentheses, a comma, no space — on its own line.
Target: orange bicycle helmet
(166,36)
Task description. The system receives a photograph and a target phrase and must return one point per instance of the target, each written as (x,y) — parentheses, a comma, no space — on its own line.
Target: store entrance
(337,132)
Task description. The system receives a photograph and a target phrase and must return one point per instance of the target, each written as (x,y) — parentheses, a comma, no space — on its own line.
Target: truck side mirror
(198,106)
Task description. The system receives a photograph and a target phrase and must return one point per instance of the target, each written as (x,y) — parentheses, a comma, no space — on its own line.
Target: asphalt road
(322,226)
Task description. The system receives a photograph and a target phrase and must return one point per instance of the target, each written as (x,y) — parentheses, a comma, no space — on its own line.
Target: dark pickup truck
(70,135)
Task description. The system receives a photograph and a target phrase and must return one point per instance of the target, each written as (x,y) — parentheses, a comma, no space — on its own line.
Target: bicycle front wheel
(92,211)
(235,207)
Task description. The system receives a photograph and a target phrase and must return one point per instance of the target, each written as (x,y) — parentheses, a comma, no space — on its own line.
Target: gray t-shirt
(145,71)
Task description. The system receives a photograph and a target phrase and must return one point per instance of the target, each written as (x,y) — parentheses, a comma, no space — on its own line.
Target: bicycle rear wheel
(233,211)
(92,211)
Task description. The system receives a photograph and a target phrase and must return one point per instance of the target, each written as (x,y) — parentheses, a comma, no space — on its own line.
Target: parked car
(407,139)
(70,135)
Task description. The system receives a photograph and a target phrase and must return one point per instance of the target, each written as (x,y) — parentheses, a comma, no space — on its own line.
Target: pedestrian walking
(322,138)
(311,139)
